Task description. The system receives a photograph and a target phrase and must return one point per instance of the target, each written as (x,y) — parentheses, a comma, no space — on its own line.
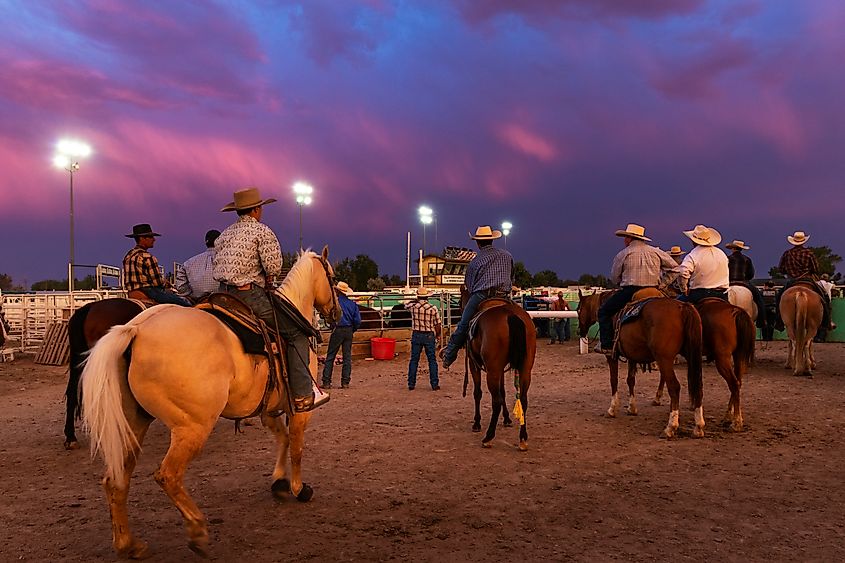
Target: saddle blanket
(633,310)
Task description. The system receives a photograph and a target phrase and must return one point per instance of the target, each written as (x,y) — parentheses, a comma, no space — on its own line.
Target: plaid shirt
(140,269)
(195,277)
(490,269)
(247,251)
(640,265)
(425,316)
(740,267)
(799,262)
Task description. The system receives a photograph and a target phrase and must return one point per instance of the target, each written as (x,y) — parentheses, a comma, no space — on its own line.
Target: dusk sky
(570,118)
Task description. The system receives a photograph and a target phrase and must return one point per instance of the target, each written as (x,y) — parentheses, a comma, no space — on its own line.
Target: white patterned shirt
(247,251)
(195,278)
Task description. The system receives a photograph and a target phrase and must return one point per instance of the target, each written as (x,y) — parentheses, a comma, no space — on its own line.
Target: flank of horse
(741,297)
(86,326)
(505,337)
(729,336)
(186,368)
(664,329)
(801,309)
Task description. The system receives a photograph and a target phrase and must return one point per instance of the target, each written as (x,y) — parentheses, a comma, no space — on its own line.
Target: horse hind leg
(631,409)
(667,373)
(476,395)
(495,381)
(613,409)
(733,416)
(506,417)
(185,444)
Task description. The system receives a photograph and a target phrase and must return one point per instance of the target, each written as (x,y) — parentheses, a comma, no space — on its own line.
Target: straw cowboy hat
(676,251)
(247,199)
(423,292)
(704,236)
(142,230)
(798,238)
(737,245)
(485,233)
(344,288)
(633,231)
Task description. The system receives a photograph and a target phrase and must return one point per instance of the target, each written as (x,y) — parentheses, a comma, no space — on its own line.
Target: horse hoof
(486,444)
(523,446)
(199,547)
(280,489)
(632,412)
(655,402)
(611,413)
(138,550)
(669,433)
(507,424)
(71,445)
(698,432)
(305,494)
(476,428)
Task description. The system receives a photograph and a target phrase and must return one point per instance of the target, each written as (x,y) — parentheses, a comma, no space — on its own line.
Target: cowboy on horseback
(741,272)
(800,264)
(704,271)
(489,274)
(635,267)
(141,272)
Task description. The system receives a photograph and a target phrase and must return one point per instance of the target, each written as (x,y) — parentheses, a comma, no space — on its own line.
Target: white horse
(743,298)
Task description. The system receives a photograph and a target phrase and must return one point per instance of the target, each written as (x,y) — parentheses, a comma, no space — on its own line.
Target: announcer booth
(448,270)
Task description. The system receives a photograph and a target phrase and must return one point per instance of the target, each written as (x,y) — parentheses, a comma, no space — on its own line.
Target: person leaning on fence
(247,255)
(341,338)
(800,264)
(489,274)
(559,329)
(426,328)
(635,267)
(704,271)
(195,278)
(741,272)
(141,271)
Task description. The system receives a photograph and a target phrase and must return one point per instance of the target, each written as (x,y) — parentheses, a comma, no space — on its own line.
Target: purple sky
(570,118)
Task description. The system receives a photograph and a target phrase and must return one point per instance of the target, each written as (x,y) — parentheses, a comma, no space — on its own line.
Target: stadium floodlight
(68,151)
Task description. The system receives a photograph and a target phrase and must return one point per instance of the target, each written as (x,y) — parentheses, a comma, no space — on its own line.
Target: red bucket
(382,348)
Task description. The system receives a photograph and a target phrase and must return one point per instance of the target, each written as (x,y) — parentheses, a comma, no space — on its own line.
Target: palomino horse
(664,328)
(505,337)
(186,368)
(802,310)
(86,326)
(729,336)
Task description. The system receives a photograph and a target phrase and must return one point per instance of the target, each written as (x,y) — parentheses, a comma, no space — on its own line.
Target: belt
(244,287)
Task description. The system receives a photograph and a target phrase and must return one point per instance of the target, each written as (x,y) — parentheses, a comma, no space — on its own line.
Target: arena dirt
(398,475)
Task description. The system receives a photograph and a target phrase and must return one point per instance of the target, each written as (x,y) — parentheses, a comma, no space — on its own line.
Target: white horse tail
(102,404)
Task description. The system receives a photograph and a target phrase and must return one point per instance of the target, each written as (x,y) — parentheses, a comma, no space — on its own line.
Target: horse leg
(733,416)
(124,543)
(281,484)
(659,394)
(632,379)
(524,383)
(476,395)
(506,417)
(298,424)
(613,364)
(186,442)
(667,374)
(495,383)
(790,354)
(71,443)
(810,356)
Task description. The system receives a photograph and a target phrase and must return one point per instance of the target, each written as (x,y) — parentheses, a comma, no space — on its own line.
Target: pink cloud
(527,142)
(477,11)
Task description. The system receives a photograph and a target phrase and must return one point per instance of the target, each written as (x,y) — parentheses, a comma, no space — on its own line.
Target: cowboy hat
(344,288)
(633,231)
(737,245)
(798,238)
(423,292)
(142,230)
(704,236)
(485,233)
(676,251)
(247,199)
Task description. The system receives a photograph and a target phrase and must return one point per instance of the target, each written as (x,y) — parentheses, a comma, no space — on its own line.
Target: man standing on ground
(341,338)
(425,323)
(559,327)
(195,278)
(141,271)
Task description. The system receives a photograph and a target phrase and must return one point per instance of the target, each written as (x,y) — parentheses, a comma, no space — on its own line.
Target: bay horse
(86,326)
(728,340)
(802,311)
(184,367)
(504,338)
(663,329)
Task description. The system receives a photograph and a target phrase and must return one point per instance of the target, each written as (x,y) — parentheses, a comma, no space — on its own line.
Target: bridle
(335,308)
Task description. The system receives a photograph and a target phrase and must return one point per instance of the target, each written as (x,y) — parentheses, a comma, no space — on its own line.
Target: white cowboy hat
(798,238)
(423,292)
(247,199)
(676,251)
(737,245)
(485,233)
(344,288)
(704,236)
(634,231)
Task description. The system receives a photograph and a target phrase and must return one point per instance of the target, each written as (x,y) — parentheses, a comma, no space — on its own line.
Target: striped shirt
(490,269)
(195,278)
(640,265)
(799,262)
(140,269)
(247,251)
(424,316)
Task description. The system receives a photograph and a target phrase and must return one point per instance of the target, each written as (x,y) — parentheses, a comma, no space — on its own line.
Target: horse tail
(746,334)
(801,336)
(102,405)
(694,346)
(78,346)
(517,347)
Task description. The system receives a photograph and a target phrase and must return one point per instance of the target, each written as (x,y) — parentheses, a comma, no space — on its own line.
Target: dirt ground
(398,475)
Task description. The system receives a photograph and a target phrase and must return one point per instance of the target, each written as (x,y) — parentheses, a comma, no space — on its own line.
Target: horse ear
(325,253)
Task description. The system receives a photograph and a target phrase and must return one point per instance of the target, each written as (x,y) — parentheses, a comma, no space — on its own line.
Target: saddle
(141,298)
(632,310)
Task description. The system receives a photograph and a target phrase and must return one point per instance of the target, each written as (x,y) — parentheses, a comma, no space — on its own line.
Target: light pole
(426,217)
(303,193)
(506,230)
(68,151)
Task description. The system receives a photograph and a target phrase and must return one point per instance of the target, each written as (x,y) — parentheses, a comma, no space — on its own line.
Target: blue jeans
(341,336)
(609,308)
(559,330)
(459,337)
(696,295)
(422,341)
(161,295)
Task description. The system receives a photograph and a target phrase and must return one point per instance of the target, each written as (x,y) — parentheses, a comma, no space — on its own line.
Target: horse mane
(299,276)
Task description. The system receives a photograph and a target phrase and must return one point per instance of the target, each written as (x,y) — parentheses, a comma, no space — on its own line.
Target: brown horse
(728,336)
(664,328)
(802,310)
(504,338)
(588,306)
(86,326)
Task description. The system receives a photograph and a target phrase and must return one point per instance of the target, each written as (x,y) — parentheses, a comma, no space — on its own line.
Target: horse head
(325,296)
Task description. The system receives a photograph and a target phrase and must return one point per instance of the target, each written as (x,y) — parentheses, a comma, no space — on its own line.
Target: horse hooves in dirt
(305,494)
(280,489)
